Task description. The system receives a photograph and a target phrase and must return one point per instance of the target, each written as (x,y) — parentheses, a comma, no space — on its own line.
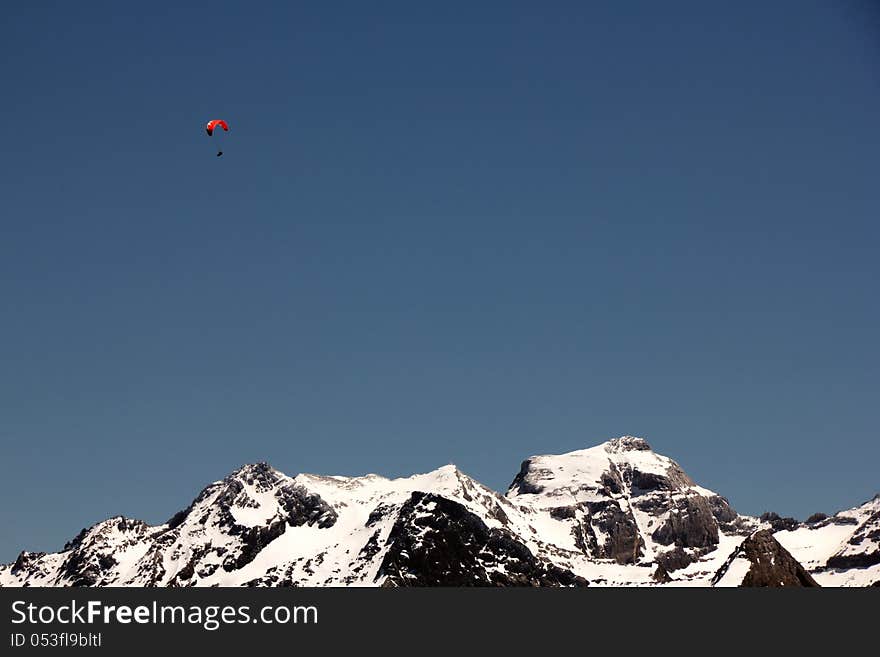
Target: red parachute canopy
(214,123)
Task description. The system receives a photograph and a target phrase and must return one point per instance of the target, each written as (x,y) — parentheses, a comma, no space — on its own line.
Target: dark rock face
(846,561)
(675,559)
(721,509)
(778,523)
(661,575)
(612,482)
(654,505)
(690,524)
(650,481)
(305,508)
(729,521)
(674,479)
(816,518)
(563,513)
(771,564)
(520,483)
(438,542)
(377,514)
(624,544)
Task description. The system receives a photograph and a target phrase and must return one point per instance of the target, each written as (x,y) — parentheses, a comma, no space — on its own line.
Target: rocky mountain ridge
(617,514)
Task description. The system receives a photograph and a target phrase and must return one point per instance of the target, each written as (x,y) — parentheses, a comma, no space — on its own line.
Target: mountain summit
(617,514)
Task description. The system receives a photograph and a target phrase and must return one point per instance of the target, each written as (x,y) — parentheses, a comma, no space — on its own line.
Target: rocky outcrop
(778,523)
(623,542)
(438,542)
(690,523)
(304,508)
(847,561)
(676,559)
(768,564)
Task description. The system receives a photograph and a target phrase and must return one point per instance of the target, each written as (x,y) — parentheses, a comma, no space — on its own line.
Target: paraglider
(212,125)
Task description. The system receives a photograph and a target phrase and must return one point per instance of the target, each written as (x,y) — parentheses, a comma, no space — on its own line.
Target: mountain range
(617,514)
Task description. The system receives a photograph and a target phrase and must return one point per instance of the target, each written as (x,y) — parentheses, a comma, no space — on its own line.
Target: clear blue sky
(441,232)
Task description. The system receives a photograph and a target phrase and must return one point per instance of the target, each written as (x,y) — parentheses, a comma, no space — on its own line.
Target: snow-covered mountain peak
(627,444)
(622,501)
(260,475)
(371,489)
(112,531)
(622,465)
(443,478)
(617,513)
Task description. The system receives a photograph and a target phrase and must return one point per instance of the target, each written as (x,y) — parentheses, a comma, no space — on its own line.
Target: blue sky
(440,232)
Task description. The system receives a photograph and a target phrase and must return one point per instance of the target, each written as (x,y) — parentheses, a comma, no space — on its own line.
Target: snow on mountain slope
(841,550)
(617,514)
